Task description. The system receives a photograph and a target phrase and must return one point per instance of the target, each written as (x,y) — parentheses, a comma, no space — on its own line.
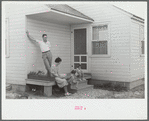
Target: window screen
(100,40)
(99,47)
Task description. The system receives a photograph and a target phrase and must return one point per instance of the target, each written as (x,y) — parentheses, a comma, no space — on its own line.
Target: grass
(107,91)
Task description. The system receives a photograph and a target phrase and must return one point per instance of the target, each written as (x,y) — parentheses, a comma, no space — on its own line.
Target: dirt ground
(96,93)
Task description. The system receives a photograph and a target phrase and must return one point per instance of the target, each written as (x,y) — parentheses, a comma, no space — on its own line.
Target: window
(80,59)
(100,40)
(6,38)
(142,39)
(99,47)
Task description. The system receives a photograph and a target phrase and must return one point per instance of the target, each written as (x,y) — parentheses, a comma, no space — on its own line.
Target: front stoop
(83,85)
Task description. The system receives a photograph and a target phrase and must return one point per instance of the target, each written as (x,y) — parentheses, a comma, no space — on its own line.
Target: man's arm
(30,37)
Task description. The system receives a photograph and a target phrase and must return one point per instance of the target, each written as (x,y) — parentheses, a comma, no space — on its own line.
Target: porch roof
(68,10)
(62,14)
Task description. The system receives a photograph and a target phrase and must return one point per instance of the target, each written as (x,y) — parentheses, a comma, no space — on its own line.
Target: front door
(80,49)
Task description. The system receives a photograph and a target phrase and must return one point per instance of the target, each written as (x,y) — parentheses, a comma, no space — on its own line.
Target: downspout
(70,47)
(130,50)
(26,50)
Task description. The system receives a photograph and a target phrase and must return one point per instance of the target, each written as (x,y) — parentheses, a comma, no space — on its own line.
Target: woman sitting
(60,79)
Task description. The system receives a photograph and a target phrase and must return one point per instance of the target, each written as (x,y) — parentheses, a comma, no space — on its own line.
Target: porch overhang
(59,17)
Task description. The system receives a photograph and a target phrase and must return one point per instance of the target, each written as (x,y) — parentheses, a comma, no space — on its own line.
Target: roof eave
(128,13)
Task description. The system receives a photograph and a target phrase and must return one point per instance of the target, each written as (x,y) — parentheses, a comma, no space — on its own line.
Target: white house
(107,41)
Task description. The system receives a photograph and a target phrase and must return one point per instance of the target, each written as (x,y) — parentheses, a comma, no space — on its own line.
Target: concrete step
(81,84)
(85,87)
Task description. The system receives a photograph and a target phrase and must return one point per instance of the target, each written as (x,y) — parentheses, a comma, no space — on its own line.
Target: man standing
(45,49)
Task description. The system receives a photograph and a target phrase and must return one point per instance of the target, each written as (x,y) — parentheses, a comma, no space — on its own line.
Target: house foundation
(126,85)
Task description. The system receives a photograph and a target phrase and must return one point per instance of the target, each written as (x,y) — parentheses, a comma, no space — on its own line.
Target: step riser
(86,88)
(80,87)
(82,84)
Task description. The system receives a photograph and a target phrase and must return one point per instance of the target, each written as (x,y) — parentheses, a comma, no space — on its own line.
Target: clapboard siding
(59,37)
(119,61)
(16,63)
(137,62)
(52,26)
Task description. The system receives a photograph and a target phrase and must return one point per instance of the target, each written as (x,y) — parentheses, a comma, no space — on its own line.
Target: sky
(136,8)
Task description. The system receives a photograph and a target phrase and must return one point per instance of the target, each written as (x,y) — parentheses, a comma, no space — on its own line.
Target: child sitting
(73,80)
(80,73)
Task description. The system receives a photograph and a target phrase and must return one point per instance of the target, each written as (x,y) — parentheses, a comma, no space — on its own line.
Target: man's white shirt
(44,46)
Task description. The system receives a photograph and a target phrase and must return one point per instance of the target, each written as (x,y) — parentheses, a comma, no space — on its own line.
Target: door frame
(73,27)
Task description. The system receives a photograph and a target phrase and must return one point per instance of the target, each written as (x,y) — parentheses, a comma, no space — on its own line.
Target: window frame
(80,62)
(141,55)
(108,55)
(7,37)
